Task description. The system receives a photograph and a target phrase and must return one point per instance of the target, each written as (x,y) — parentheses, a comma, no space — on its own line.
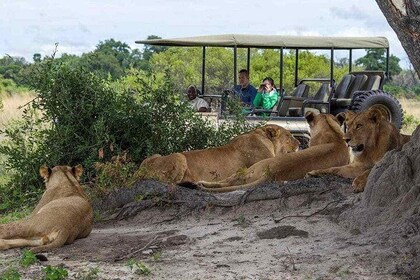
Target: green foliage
(12,68)
(28,258)
(23,147)
(184,66)
(11,216)
(375,59)
(114,174)
(410,121)
(55,273)
(86,120)
(8,86)
(138,267)
(89,275)
(10,274)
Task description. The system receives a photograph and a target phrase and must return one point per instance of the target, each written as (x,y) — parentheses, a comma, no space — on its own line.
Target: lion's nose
(347,140)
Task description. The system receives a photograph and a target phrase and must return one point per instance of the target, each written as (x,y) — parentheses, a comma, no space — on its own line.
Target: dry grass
(411,107)
(11,107)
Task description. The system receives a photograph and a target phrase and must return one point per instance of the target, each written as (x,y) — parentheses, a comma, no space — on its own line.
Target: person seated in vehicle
(198,104)
(245,91)
(267,95)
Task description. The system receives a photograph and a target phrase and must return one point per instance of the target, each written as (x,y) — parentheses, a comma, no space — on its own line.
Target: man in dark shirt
(245,90)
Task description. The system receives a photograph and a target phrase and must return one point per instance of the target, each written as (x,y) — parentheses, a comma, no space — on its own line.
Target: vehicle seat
(300,93)
(344,100)
(373,82)
(341,89)
(319,103)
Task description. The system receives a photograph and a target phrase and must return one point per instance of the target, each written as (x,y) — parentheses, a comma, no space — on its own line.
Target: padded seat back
(302,90)
(373,82)
(322,93)
(341,89)
(357,84)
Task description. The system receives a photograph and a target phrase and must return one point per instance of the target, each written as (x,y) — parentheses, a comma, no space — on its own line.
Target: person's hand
(262,88)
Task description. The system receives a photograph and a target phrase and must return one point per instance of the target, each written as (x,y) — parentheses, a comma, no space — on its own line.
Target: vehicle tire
(384,101)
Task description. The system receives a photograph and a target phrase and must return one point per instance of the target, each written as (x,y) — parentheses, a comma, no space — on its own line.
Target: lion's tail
(224,187)
(212,185)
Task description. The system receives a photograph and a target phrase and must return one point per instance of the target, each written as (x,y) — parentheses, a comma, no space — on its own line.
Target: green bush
(78,117)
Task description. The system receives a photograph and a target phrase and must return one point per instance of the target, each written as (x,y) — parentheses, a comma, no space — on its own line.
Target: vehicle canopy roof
(273,41)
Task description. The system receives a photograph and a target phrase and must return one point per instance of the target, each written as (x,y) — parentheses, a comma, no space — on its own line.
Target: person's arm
(202,105)
(258,100)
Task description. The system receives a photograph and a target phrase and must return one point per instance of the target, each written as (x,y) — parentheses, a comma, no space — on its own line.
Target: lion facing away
(218,163)
(326,149)
(369,136)
(62,215)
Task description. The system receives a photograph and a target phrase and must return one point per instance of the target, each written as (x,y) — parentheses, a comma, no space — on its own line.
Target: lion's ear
(375,115)
(310,116)
(270,131)
(45,172)
(77,171)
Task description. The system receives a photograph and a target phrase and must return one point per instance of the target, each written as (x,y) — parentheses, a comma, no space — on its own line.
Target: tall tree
(375,60)
(404,17)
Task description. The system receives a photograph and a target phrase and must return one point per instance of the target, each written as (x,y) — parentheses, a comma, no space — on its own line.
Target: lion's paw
(312,174)
(358,185)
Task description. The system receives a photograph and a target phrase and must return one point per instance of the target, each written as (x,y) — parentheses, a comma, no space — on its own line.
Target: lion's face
(361,129)
(282,139)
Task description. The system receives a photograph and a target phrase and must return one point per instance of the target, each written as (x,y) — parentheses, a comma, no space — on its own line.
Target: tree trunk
(404,17)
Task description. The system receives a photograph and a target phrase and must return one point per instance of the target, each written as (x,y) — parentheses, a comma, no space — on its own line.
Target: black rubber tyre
(384,101)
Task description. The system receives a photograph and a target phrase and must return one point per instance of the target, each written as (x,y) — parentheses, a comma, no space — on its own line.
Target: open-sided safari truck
(356,91)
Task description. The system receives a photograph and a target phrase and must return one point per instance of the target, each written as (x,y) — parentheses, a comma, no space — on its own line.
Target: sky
(29,27)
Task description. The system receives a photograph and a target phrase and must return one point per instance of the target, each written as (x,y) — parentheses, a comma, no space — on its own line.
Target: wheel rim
(384,110)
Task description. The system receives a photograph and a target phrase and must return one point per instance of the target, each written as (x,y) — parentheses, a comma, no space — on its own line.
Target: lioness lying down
(326,148)
(370,136)
(218,163)
(62,215)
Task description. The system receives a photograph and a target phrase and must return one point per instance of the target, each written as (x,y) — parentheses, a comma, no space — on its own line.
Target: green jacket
(266,100)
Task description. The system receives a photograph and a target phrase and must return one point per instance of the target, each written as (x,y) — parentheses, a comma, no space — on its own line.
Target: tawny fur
(370,130)
(62,215)
(326,148)
(218,163)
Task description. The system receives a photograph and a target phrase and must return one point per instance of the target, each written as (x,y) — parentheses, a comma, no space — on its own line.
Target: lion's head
(282,139)
(325,128)
(363,130)
(65,177)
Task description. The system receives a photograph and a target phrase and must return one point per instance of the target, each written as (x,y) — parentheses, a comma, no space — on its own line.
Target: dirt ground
(290,237)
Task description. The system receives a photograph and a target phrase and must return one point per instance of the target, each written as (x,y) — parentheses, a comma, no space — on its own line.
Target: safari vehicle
(356,91)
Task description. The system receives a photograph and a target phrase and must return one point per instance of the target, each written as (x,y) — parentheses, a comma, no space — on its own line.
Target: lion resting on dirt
(218,163)
(62,215)
(326,149)
(370,136)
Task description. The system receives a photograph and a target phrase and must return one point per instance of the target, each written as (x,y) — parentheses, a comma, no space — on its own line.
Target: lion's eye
(358,126)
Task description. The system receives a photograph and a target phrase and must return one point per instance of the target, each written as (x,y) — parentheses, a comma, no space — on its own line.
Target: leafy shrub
(10,274)
(55,273)
(28,258)
(77,117)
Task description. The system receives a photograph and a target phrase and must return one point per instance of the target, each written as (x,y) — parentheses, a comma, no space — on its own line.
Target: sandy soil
(245,242)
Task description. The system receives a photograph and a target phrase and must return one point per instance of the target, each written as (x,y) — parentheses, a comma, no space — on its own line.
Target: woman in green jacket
(267,95)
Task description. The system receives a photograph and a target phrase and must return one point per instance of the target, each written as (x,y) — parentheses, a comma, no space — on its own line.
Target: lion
(369,136)
(218,163)
(326,149)
(62,215)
